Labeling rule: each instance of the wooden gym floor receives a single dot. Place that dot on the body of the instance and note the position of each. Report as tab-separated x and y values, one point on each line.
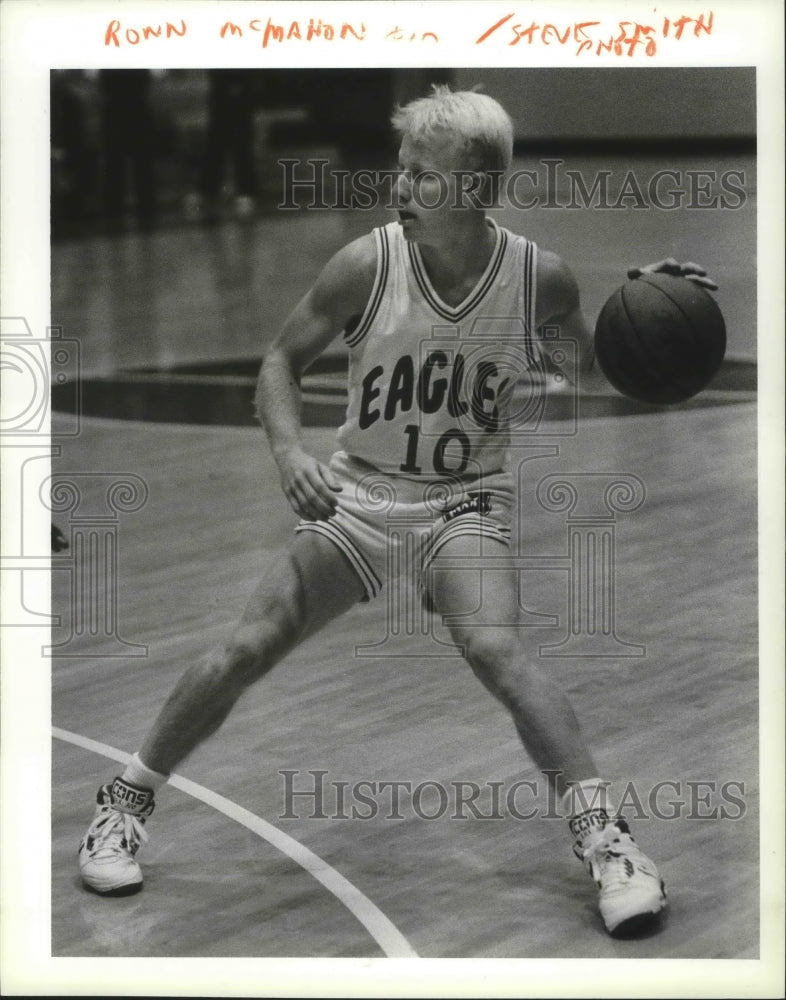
225	874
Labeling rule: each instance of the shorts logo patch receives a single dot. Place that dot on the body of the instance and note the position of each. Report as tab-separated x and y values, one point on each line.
478	502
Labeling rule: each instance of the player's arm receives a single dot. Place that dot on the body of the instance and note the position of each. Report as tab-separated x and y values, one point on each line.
338	296
558	305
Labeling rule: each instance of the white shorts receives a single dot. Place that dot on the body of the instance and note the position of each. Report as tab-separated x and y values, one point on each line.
387	526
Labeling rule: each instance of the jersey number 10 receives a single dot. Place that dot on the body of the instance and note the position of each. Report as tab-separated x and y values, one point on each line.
410	464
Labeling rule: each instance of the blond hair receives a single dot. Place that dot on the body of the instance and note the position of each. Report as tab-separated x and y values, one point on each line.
481	124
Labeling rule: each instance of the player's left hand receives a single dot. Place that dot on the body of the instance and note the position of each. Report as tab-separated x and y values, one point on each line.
693	272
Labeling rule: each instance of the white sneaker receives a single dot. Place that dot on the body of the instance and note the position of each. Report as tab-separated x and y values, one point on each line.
632	893
106	853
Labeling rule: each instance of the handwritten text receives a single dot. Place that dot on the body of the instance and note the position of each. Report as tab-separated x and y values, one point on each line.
623	38
590	36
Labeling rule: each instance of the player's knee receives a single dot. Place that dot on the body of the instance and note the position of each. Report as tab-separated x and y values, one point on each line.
493	654
498	662
250	652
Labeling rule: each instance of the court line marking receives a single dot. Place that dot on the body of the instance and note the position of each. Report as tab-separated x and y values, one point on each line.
385	933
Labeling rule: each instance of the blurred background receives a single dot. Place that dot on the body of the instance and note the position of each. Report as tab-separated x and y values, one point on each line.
163	146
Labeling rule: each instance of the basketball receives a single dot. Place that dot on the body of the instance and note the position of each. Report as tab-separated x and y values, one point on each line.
660	339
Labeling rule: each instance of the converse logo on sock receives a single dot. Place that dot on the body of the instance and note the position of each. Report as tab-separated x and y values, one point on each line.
586	822
130	799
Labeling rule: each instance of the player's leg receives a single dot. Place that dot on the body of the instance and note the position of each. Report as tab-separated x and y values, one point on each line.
541	712
307	585
631	890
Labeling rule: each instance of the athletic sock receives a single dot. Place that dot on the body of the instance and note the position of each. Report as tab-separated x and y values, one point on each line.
138	774
587	807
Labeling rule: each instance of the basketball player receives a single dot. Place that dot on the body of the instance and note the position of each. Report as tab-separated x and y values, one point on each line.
409	296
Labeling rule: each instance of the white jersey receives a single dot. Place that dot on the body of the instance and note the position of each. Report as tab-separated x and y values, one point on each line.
430	385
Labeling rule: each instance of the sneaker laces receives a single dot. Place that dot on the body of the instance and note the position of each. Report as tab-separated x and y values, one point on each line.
113	831
600	854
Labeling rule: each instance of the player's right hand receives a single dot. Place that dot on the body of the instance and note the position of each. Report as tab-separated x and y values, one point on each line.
309	486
